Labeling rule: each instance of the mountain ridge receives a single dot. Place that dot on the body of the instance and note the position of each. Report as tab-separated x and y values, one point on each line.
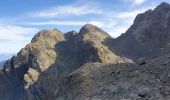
91	65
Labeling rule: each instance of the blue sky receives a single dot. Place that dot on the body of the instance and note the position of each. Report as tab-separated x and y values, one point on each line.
20	20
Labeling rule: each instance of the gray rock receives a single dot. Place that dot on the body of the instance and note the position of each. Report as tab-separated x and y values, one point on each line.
148	37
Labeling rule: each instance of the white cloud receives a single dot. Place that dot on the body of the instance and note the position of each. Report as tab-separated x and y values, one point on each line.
13	38
6	56
70	23
106	24
117	30
134	2
128	16
67	10
15	32
114	23
119	22
59	23
138	2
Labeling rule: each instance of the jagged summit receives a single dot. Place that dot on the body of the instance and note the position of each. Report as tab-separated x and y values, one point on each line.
47	34
89	28
94	33
164	6
149	36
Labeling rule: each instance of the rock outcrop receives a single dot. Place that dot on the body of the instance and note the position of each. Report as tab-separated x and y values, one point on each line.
24	69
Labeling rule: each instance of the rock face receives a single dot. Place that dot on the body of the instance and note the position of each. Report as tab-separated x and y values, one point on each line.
149	35
90	65
24	69
73	52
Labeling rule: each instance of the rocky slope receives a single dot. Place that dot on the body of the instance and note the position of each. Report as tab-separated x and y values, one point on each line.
97	81
149	35
90	65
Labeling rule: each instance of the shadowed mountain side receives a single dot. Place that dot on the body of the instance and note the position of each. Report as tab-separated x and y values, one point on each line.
4	87
105	81
118	82
148	36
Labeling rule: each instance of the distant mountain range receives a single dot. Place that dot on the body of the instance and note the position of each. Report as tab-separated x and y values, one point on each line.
5	56
91	65
2	64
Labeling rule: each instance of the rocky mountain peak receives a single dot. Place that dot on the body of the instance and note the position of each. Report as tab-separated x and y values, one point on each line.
46	35
159	14
33	59
150	31
92	33
153	25
163	7
89	28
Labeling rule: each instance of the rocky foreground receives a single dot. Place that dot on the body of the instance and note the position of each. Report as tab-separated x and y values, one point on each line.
91	65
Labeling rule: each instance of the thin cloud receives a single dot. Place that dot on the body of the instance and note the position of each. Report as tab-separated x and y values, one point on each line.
59	23
133	3
66	10
122	21
13	38
138	2
5	56
114	23
132	14
117	30
70	23
108	20
105	24
129	16
8	32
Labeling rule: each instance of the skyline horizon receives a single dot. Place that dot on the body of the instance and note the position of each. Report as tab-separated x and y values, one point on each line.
66	16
